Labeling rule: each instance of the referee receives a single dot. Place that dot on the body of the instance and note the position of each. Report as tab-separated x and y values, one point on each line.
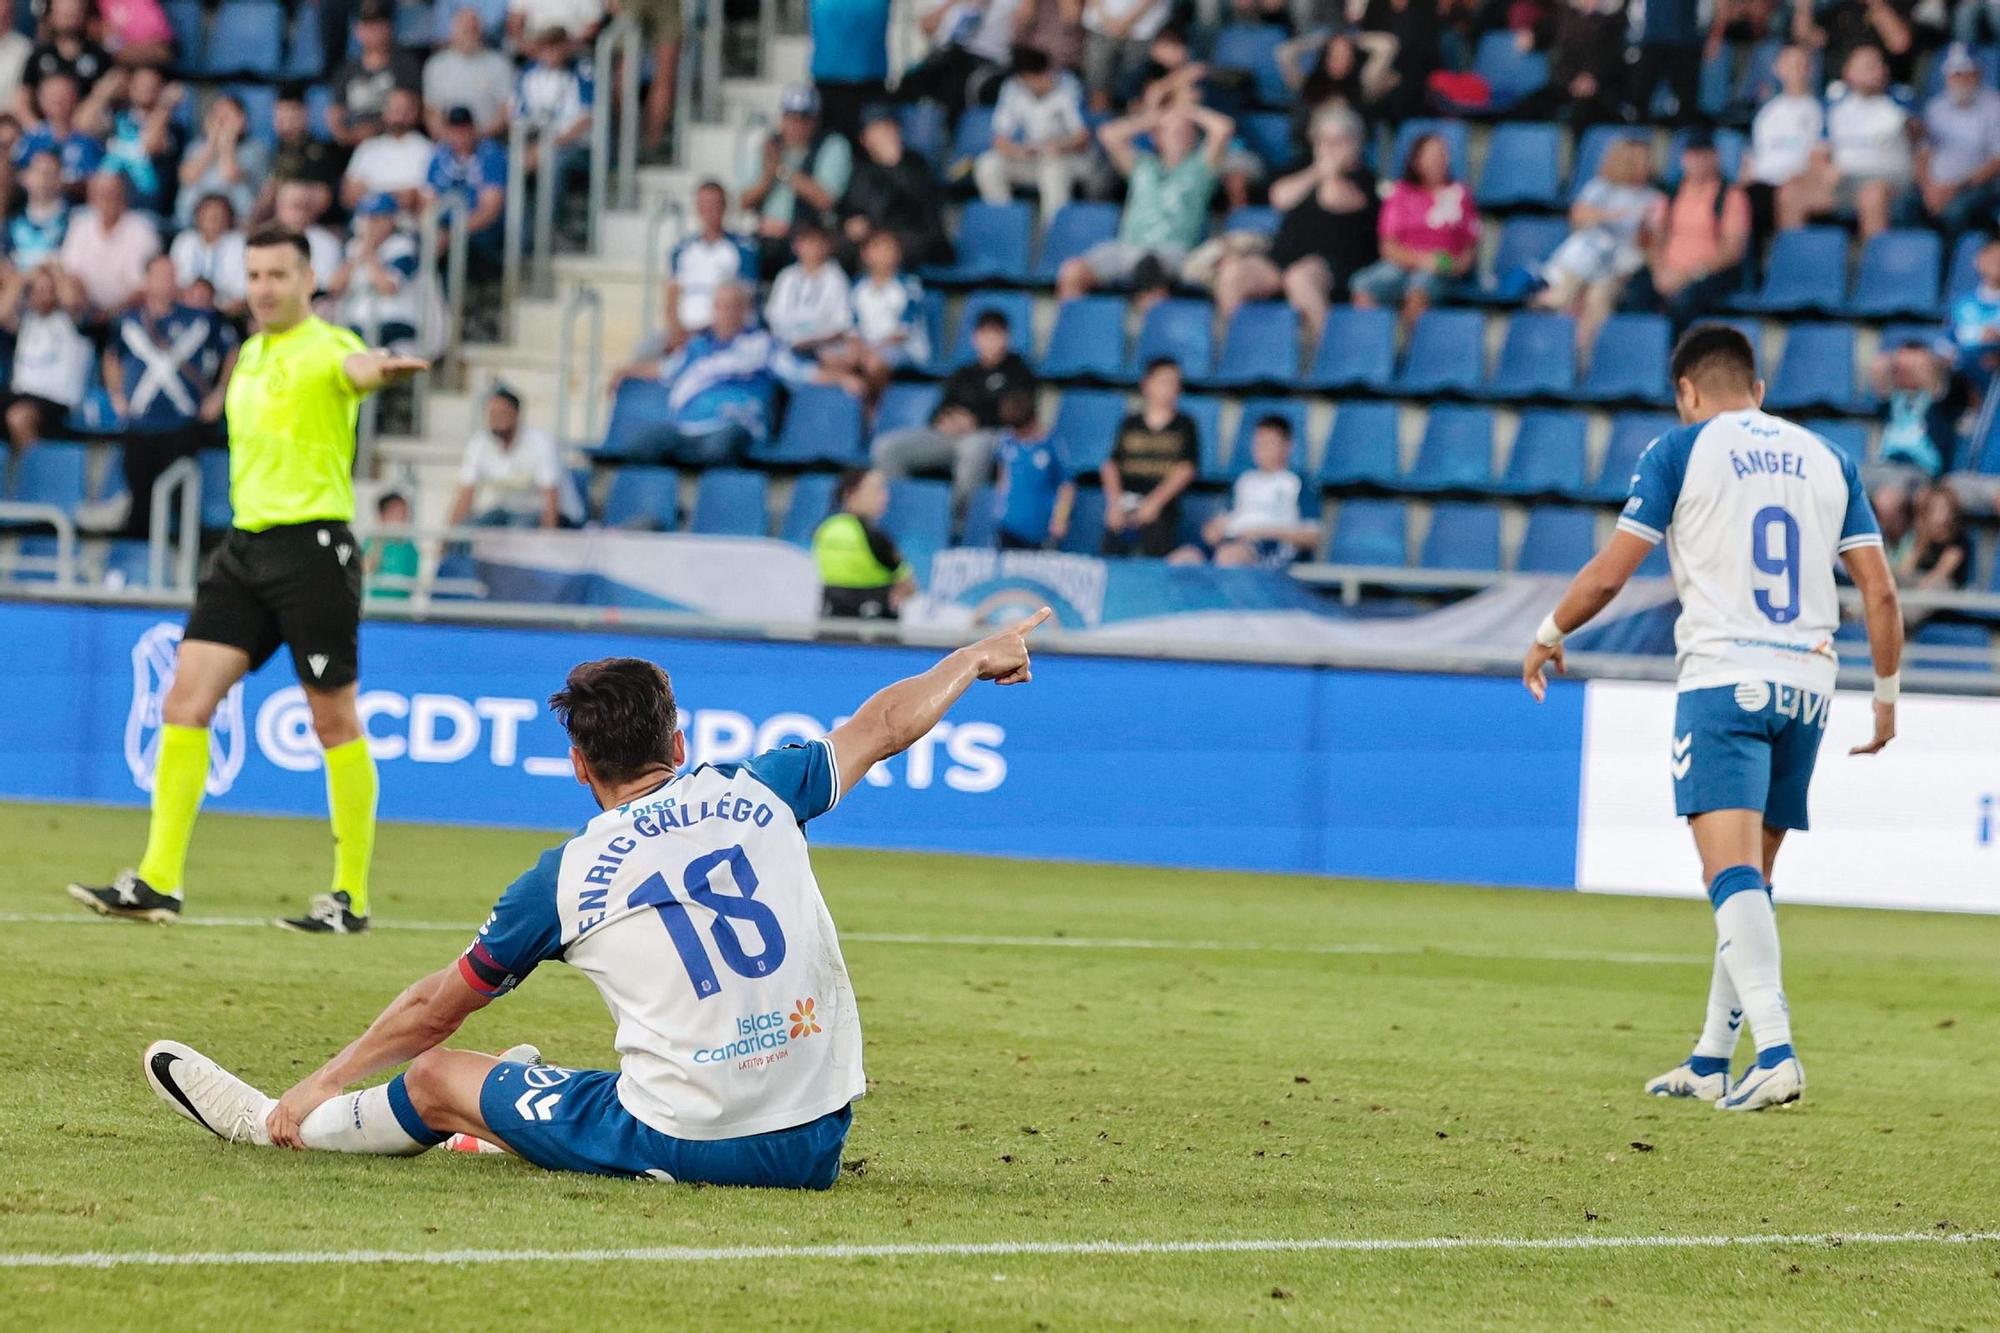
288	573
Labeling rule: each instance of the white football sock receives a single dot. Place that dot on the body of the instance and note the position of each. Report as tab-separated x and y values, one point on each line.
1725	1015
362	1122
1747	927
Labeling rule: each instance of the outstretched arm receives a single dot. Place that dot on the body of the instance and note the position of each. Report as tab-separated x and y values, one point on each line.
369	371
1589	592
1869	568
423	1016
899	716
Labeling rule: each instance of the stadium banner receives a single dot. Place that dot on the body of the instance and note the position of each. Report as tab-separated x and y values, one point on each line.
1912	827
1278	768
731	578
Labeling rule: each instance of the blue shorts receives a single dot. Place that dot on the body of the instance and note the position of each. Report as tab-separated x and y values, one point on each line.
1747	747
572	1120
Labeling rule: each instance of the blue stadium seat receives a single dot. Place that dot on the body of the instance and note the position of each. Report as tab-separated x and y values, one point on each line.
1537	358
1729	148
1253	49
730	502
1260	346
1268	134
1446	354
216	512
982	518
1018	307
1816	370
1362	449
51	474
1510	72
1176	328
1590	150
973	137
1462	536
1357	350
1197	508
905	404
1086	423
1371	532
644	497
822	425
305	56
1255	218
1958	640
1848	436
1629	362
413	24
319	100
1088	340
991	242
1807	271
811	502
919	515
260	107
1525	242
246	37
1457	451
925	131
128	564
1550	453
1206	413
1086	523
189	22
1241	458
1631	432
1559	540
1964	277
1523	167
1453	132
634	431
1898	275
1717	81
1074	229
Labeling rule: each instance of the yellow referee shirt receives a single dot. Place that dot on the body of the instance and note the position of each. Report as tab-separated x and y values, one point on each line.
291	427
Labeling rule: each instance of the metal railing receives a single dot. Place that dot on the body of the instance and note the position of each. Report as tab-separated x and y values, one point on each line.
169	564
650	262
63	563
454	210
621	51
546	182
584	299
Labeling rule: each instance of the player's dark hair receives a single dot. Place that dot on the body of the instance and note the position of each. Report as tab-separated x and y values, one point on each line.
619	711
1714	351
1277	423
277	233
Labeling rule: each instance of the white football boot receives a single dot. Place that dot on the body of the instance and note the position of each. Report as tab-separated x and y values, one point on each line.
206	1093
1681	1081
1760	1088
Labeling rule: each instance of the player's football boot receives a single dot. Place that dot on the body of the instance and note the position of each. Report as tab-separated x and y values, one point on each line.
129	897
328	915
1761	1088
206	1093
1681	1081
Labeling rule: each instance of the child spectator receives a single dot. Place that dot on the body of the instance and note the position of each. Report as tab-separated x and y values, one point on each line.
888	307
959	436
389	556
1153	460
1783	137
1429	233
809	302
1869	162
36	232
702	262
862	574
1039	136
1263	525
1035	488
51	356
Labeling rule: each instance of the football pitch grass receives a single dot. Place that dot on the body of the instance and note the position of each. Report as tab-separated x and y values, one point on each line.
1098	1096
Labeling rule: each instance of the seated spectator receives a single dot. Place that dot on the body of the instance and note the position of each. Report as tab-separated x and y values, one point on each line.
61	131
1783	137
137	33
720	384
959	438
1326	231
299	207
1922	401
166	370
512	475
577	20
892	190
225	160
41	307
1429	233
144	143
395	162
554	98
1839	28
474	170
1612	224
1153	460
889	332
298	155
64	47
971	41
1696	262
1036	486
1974	326
1039	137
1867	162
1116	34
1263	526
1166	198
702	262
795	175
364	81
1939	554
108	246
1959	161
211	251
35	233
1586	64
861	572
809	308
388	557
375	288
468	73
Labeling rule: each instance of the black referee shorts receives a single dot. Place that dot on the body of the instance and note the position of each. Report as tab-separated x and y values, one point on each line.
299	586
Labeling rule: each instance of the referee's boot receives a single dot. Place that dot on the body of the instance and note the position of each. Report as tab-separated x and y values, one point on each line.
129	897
328	915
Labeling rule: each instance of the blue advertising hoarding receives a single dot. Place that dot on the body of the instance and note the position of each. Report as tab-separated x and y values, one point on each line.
1109	759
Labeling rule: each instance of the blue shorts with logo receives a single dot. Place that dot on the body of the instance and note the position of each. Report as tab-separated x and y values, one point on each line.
1747	747
572	1120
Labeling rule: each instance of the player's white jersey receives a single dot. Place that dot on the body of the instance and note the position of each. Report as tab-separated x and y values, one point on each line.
695	911
1755	512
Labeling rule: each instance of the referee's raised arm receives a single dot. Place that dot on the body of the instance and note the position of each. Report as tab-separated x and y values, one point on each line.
372	370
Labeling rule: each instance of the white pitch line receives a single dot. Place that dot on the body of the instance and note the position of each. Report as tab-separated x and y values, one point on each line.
676	1254
1361	948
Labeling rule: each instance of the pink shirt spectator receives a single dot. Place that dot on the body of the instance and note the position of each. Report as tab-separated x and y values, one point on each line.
134	23
111	265
1430	221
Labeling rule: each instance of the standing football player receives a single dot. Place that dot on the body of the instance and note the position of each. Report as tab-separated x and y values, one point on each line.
1755	511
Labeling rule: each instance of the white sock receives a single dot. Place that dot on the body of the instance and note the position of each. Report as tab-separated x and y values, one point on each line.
1725	1015
1747	929
366	1122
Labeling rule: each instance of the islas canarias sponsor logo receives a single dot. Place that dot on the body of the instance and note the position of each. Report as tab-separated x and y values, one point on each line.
762	1036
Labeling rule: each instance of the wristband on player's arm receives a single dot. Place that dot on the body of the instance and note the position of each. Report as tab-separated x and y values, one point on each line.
1889	688
1546	634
